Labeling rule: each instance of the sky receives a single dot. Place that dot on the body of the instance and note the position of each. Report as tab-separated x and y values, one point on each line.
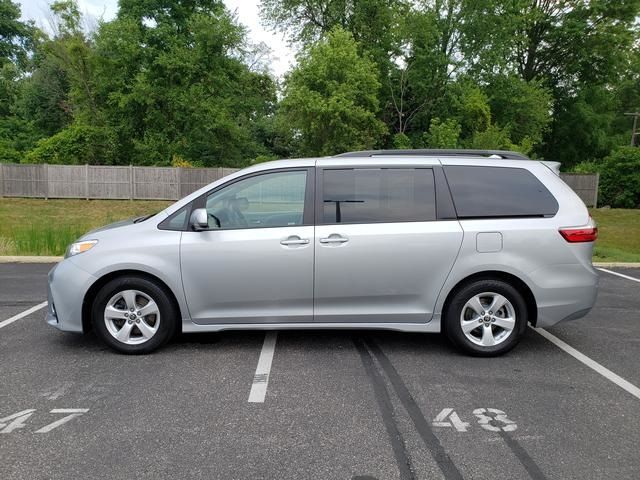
246	10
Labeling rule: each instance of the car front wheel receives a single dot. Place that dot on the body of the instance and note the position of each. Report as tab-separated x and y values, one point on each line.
133	315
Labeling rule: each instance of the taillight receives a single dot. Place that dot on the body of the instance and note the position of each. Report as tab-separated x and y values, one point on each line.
578	235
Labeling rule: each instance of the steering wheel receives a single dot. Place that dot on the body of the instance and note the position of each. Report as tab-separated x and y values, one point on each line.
215	219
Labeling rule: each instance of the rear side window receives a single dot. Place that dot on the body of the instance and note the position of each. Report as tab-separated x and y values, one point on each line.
365	195
482	192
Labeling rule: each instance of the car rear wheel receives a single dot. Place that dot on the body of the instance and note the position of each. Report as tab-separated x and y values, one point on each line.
486	318
133	315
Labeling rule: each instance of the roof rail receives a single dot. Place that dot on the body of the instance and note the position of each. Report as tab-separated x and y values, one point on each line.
434	152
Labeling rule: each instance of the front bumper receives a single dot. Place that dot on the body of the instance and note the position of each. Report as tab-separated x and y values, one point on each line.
67	287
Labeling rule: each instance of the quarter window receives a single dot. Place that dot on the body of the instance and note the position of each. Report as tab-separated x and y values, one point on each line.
377	195
177	221
268	200
484	192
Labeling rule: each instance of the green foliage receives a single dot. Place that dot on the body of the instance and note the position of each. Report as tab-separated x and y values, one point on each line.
582	127
179	86
442	134
587	166
620	178
178	162
76	145
401	141
331	97
470	107
372	23
33	226
524	108
44	99
493	138
179	79
15	36
8	153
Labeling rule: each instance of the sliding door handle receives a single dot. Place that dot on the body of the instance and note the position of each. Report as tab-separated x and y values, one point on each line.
334	238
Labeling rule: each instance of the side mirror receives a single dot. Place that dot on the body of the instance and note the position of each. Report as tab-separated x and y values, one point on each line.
199	219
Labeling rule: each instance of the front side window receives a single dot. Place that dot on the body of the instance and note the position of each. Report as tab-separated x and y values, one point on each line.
268	200
378	195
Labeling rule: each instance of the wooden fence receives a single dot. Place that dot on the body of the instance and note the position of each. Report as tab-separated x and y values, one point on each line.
154	183
585	185
104	182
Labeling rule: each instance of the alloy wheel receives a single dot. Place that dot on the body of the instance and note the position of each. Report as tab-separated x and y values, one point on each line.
132	317
488	319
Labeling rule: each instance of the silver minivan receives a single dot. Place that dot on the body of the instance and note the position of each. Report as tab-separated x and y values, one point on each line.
475	244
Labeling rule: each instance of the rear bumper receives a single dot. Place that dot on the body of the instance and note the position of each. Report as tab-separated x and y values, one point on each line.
67	287
564	292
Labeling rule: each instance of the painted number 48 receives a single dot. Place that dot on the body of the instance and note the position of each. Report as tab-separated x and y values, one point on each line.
490	419
19	419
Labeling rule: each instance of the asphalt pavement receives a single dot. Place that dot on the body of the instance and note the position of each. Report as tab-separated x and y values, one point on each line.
337	404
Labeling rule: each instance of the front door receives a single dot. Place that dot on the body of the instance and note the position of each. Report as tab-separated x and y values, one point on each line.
255	263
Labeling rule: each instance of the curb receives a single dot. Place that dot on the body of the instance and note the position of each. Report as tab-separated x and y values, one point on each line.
44	259
617	264
29	259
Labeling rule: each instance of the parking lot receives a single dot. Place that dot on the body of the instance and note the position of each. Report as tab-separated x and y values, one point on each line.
319	404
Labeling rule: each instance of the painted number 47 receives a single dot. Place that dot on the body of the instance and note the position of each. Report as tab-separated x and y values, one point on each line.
19	419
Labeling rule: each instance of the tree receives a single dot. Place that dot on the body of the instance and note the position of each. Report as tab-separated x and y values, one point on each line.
173	81
372	23
442	134
581	128
44	98
15	36
330	98
564	41
521	107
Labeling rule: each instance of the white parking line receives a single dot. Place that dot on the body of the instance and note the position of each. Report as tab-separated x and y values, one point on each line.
8	321
605	372
620	275
261	377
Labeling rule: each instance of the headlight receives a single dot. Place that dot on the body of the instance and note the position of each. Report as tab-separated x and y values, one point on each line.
80	247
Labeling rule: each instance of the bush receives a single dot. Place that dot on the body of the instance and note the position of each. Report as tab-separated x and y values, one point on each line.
442	134
586	166
401	142
620	178
76	145
181	162
8	154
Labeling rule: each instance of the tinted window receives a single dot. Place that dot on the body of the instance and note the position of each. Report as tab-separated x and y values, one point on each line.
498	192
378	195
268	200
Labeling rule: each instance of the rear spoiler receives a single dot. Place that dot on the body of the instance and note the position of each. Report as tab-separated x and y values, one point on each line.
553	166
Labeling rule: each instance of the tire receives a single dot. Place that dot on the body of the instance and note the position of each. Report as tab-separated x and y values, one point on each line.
472	325
134	315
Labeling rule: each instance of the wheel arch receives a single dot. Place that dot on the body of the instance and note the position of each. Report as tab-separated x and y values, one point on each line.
87	301
518	283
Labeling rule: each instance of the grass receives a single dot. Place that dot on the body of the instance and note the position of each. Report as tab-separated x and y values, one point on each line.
30	226
618	235
45	227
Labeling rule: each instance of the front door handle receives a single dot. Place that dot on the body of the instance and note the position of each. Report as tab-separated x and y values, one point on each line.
334	238
294	240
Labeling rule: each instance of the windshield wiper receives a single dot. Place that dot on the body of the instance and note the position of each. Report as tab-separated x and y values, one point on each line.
143	218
